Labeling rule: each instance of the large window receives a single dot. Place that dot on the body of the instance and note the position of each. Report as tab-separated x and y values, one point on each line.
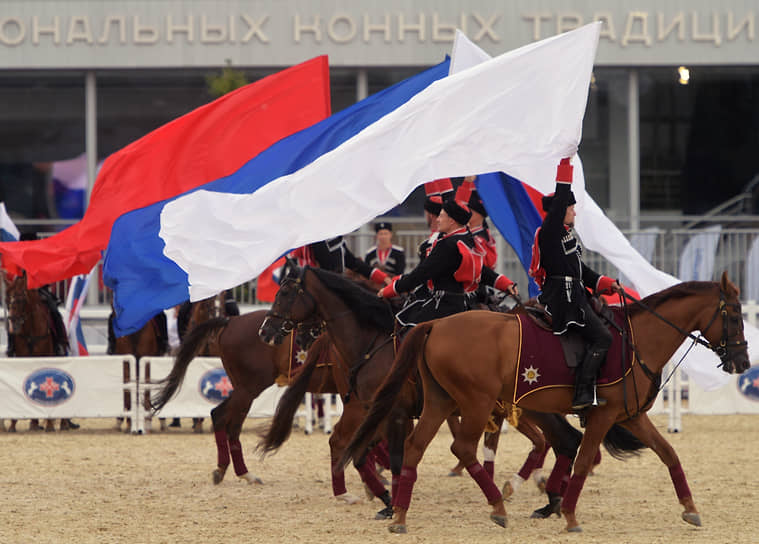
41	121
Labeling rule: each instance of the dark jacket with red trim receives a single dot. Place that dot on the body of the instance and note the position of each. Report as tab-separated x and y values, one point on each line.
437	270
566	276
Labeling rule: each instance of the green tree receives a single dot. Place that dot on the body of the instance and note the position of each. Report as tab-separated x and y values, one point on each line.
229	80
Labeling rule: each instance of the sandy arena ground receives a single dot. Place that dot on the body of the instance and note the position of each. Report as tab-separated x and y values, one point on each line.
98	485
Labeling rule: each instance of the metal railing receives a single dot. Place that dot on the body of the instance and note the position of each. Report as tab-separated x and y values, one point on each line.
732	254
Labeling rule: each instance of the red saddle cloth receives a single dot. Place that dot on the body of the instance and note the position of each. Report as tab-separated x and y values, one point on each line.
542	363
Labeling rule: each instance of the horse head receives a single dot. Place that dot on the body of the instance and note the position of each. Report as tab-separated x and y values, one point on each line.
725	334
17	302
292	305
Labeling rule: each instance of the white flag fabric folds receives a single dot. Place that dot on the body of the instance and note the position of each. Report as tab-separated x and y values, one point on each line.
600	234
519	112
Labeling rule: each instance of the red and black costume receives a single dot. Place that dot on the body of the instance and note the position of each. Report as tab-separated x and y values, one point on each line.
563	277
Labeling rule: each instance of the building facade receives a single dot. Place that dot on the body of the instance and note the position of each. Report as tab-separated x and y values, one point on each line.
671	127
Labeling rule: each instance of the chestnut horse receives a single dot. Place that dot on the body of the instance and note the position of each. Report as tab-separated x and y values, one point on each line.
470	361
251	366
31	324
361	326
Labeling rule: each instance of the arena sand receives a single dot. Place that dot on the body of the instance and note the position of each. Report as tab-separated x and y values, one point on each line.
101	486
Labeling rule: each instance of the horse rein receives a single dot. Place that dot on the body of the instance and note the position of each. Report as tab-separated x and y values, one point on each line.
721	350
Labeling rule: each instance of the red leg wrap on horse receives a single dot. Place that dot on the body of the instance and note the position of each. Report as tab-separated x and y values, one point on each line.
381	455
338	483
529	464
222	448
569	501
394	488
560	470
485	481
542	458
489	468
405	487
235	449
369	477
681	484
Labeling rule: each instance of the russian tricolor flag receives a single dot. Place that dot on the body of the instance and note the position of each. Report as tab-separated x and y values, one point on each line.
519	112
74	301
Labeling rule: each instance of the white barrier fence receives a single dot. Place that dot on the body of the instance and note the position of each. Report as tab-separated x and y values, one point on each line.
118	386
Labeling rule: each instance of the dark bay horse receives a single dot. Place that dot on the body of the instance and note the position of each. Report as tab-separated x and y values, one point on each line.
470	360
251	366
362	328
30	328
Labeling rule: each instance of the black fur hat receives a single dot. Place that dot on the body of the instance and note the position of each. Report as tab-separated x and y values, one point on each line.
457	211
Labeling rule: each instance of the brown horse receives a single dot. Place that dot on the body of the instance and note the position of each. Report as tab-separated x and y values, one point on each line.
471	360
251	366
30	328
361	327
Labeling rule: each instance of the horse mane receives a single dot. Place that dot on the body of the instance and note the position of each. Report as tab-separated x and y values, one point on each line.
677	291
369	309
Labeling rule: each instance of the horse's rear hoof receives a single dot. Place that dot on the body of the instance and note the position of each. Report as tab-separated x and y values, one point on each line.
453	473
574	529
694	518
547	510
385	513
218	475
498	519
347	498
397	529
507	491
248	477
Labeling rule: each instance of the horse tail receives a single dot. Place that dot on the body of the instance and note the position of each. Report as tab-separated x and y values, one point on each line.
621	443
385	397
282	423
187	352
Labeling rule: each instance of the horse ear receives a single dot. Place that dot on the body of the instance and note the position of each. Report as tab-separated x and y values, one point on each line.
726	285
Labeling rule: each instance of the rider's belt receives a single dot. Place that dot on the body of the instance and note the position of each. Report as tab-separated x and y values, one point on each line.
566	279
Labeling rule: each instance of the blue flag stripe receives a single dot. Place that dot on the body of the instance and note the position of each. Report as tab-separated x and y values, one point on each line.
145	281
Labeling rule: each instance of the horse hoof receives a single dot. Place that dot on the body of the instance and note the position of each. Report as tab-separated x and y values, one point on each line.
694	518
218	476
454	473
397	529
386	513
574	529
507	491
498	519
248	477
347	498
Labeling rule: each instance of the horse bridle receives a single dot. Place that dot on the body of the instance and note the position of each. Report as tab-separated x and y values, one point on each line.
288	324
722	349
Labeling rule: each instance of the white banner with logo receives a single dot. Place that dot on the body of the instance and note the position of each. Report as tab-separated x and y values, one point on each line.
204	386
62	387
739	396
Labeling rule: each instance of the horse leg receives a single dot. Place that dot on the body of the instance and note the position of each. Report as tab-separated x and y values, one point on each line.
219	423
414	448
598	424
238	410
465	448
454	424
490	443
539	448
12	426
49	426
647	433
338	440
